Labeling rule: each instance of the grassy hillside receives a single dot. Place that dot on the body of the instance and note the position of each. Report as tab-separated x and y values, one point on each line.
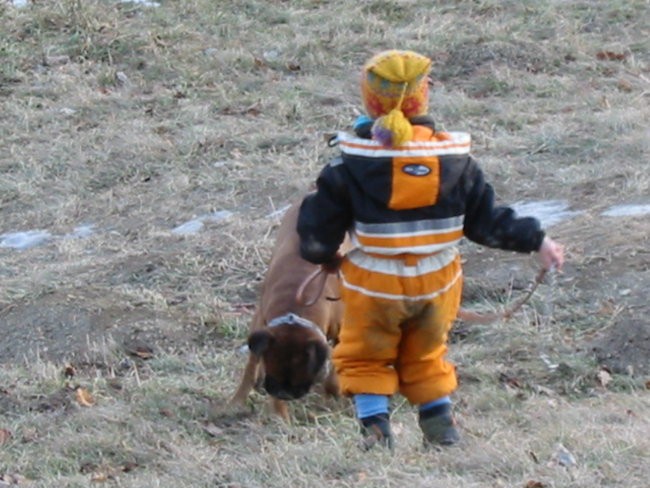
146	153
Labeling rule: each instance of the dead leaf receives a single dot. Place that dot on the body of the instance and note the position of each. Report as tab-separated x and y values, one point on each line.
5	436
610	56
83	397
212	429
511	381
291	66
253	109
99	477
604	378
533	456
543	390
69	371
12	479
165	412
29	435
535	484
647	385
159	41
141	351
56	60
129	466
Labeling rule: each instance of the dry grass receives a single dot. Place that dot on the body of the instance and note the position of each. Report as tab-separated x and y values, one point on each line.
137	119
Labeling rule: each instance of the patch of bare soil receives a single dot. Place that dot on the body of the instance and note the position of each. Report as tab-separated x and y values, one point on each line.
625	348
600	299
81	325
471	57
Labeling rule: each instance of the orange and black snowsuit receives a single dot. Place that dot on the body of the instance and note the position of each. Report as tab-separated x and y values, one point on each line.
406	209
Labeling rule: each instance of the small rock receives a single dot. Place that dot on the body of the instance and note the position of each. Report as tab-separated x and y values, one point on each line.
563	457
56	60
122	79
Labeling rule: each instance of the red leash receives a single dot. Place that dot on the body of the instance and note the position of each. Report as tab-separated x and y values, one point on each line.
320	286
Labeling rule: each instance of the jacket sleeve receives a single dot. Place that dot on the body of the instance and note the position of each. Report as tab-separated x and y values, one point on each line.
496	226
325	216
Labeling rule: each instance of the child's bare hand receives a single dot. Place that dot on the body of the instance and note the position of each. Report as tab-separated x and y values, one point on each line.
551	254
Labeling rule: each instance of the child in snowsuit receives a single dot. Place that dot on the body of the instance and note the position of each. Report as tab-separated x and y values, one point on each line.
407	194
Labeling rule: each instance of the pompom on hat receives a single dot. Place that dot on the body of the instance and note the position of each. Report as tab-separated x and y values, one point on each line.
394	88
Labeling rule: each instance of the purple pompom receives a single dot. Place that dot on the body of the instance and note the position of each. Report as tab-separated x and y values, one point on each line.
381	134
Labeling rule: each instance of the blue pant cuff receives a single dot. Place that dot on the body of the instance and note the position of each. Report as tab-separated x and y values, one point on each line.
445	400
367	405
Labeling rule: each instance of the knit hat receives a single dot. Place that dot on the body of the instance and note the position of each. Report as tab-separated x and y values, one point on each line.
394	88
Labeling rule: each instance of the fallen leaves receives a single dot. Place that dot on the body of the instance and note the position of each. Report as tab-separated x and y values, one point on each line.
293	66
69	371
102	474
604	377
534	484
611	56
625	86
83	397
141	351
212	430
5	436
510	381
7	479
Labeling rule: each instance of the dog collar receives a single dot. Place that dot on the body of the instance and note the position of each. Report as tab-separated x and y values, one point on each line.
293	319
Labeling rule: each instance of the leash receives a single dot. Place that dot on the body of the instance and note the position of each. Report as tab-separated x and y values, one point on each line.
466	315
321	274
486	318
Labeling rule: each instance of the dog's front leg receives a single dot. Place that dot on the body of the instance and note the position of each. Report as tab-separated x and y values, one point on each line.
247	382
281	408
331	384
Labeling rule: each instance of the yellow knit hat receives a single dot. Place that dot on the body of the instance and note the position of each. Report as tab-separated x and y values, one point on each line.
394	88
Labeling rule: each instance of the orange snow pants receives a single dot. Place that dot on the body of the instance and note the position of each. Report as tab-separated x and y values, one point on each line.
394	330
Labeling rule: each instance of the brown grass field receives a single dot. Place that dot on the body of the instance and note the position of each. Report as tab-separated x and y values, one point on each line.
120	122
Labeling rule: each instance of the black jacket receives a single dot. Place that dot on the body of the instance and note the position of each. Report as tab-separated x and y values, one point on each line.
357	190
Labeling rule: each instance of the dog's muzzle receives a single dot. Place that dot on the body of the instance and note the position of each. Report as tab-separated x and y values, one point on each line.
275	389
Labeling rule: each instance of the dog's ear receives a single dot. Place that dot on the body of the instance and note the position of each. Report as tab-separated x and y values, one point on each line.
259	341
316	355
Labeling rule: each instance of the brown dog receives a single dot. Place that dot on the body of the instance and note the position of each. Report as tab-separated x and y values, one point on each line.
288	342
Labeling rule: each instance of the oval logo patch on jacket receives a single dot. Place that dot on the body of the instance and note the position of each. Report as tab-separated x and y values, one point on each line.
416	169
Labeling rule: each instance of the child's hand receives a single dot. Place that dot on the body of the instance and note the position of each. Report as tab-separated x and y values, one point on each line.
551	254
333	265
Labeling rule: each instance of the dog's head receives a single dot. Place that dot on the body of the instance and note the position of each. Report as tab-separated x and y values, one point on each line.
294	358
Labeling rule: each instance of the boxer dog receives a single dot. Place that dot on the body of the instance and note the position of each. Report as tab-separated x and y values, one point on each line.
289	343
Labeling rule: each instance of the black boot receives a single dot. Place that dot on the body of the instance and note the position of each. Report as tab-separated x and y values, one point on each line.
438	426
376	430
